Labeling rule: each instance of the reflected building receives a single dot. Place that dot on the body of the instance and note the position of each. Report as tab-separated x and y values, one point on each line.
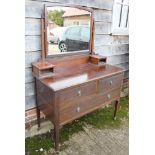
74	16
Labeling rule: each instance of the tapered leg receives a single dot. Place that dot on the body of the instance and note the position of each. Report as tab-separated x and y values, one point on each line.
56	137
38	117
38	110
115	108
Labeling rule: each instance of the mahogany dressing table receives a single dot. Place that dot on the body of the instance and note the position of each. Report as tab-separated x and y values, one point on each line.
68	87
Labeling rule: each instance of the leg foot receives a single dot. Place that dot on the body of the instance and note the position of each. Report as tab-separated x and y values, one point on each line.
114	118
56	138
38	118
38	128
115	109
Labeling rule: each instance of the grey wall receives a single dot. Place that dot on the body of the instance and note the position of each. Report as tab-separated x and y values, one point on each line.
116	48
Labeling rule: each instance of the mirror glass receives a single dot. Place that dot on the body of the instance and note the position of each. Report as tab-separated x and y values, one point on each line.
68	30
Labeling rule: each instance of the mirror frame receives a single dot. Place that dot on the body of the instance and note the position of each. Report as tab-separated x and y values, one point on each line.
44	42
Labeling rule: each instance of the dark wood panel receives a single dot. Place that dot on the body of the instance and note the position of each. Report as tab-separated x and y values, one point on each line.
45	100
45	92
78	109
77	93
110	83
76	87
46	107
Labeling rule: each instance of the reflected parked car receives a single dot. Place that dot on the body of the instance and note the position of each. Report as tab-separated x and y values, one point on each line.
53	35
71	38
75	38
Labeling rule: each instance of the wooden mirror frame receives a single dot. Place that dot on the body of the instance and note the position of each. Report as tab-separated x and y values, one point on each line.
44	43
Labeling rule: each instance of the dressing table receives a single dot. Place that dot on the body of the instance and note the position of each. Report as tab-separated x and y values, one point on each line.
73	83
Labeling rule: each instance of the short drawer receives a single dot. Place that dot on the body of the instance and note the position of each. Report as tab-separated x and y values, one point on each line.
76	109
110	83
77	92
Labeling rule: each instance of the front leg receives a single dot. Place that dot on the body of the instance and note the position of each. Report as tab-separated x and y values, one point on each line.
38	117
56	137
37	106
116	104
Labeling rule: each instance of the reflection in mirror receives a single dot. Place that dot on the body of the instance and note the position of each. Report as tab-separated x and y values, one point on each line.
68	29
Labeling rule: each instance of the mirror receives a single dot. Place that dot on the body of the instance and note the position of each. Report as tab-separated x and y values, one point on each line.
68	30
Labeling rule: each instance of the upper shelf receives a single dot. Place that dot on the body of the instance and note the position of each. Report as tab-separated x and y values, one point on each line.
50	68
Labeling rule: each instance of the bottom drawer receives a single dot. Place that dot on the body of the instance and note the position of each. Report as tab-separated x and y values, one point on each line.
88	104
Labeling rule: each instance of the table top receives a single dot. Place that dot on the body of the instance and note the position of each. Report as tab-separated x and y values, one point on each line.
74	75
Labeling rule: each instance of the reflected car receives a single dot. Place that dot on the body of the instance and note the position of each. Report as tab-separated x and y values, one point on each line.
53	35
74	38
71	38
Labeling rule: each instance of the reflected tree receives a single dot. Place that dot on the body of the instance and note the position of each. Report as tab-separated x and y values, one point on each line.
56	17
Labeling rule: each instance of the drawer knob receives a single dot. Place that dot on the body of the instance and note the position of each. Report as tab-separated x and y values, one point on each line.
109	96
78	109
110	82
79	93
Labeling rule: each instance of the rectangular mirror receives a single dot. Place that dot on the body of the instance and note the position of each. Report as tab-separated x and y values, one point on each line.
68	30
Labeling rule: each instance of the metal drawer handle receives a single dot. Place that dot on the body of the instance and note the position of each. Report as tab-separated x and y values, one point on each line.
79	93
78	109
110	82
109	96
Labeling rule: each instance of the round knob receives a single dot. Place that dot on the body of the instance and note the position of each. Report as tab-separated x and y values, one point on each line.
78	109
109	96
79	93
110	82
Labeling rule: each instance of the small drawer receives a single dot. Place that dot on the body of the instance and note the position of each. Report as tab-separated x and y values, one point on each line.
77	108
110	83
77	92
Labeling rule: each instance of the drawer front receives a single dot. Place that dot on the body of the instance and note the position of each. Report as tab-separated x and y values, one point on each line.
77	92
110	83
76	109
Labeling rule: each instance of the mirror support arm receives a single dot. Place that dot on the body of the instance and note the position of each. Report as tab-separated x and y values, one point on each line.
42	39
92	37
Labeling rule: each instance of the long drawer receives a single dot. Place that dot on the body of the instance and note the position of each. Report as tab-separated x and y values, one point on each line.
77	92
75	109
110	83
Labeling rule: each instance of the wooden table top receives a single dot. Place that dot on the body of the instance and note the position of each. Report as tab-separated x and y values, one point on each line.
74	75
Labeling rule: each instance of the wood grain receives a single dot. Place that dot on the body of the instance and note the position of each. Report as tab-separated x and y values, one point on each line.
77	87
87	105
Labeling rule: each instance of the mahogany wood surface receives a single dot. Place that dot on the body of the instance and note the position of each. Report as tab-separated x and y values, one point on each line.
76	88
73	84
73	76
